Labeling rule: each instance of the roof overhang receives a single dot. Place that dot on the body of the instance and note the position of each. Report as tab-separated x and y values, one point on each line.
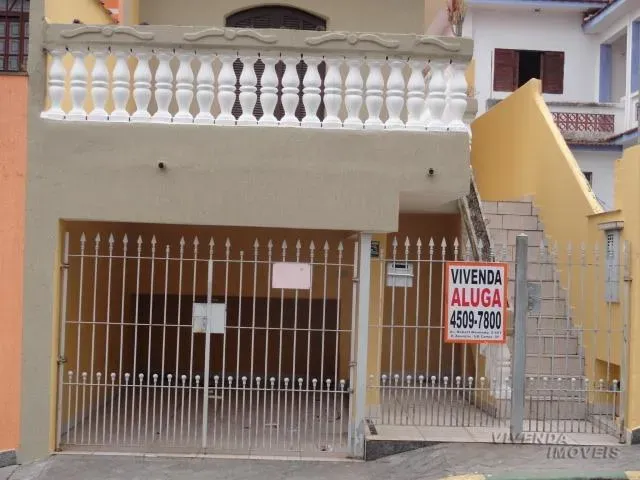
546	5
609	15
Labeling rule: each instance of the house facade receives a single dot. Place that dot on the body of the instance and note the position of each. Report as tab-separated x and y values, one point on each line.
198	156
586	56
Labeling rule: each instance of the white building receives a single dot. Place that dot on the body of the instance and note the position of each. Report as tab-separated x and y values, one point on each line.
587	56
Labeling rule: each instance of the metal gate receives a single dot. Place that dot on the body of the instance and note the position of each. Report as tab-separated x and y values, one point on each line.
239	347
560	375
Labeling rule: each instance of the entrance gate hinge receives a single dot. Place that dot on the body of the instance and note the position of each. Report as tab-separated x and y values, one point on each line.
61	359
353	364
356	279
64	266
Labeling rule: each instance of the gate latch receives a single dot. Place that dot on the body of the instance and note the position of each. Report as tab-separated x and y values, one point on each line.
61	359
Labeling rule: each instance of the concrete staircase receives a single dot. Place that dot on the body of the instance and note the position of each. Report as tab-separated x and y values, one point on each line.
554	354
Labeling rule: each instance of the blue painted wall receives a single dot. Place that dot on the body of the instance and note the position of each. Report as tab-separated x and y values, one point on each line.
605	72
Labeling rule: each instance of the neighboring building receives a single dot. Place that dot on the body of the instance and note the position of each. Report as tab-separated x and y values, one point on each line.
14	39
587	55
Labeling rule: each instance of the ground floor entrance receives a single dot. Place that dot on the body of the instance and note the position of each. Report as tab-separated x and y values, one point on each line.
260	342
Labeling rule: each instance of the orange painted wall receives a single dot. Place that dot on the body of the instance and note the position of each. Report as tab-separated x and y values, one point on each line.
13	155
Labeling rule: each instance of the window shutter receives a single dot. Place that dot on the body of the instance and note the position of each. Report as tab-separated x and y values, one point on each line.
505	66
553	72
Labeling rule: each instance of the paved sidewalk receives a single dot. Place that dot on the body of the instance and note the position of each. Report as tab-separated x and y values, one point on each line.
430	463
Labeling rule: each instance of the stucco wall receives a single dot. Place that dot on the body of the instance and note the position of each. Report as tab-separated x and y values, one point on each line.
518	151
340	15
601	164
13	154
64	11
526	30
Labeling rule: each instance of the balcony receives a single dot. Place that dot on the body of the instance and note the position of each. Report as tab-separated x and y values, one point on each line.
324	109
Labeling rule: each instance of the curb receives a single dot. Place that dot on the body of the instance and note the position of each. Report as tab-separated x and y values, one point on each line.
569	475
7	458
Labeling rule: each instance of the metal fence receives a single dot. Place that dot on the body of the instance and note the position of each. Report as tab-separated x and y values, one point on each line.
564	376
139	372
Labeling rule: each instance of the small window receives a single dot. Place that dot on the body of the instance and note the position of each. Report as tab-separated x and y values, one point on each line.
14	35
589	177
514	68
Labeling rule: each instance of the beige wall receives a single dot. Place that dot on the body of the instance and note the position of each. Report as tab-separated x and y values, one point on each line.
353	15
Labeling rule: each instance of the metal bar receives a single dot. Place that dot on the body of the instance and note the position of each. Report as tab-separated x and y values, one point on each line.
106	354
519	341
626	312
164	343
62	340
178	331
193	300
364	284
207	355
352	335
125	242
146	421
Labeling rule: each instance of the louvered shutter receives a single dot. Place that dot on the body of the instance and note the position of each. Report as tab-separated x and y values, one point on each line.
505	70
276	17
553	72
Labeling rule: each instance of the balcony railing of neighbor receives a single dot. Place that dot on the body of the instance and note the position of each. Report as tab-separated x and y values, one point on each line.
224	76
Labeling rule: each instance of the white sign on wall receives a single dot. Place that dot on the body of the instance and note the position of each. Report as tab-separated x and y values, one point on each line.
291	276
475	302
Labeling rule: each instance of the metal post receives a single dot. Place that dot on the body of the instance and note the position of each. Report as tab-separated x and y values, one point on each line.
364	284
62	340
207	355
519	337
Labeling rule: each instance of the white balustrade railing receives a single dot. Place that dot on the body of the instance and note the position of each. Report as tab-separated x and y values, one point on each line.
256	88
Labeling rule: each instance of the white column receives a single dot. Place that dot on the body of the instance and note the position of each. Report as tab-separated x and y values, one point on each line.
364	285
395	94
425	117
78	86
120	87
164	87
248	89
269	90
205	89
374	94
184	88
436	100
226	90
311	92
353	94
290	92
415	96
457	101
57	75
99	85
332	93
142	87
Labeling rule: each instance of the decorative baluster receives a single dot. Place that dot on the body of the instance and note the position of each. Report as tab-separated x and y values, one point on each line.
426	115
290	92
353	94
142	87
311	91
395	94
78	86
268	90
57	75
164	87
184	88
120	87
248	95
205	89
226	90
436	100
375	87
99	85
457	98
447	78
333	92
415	96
